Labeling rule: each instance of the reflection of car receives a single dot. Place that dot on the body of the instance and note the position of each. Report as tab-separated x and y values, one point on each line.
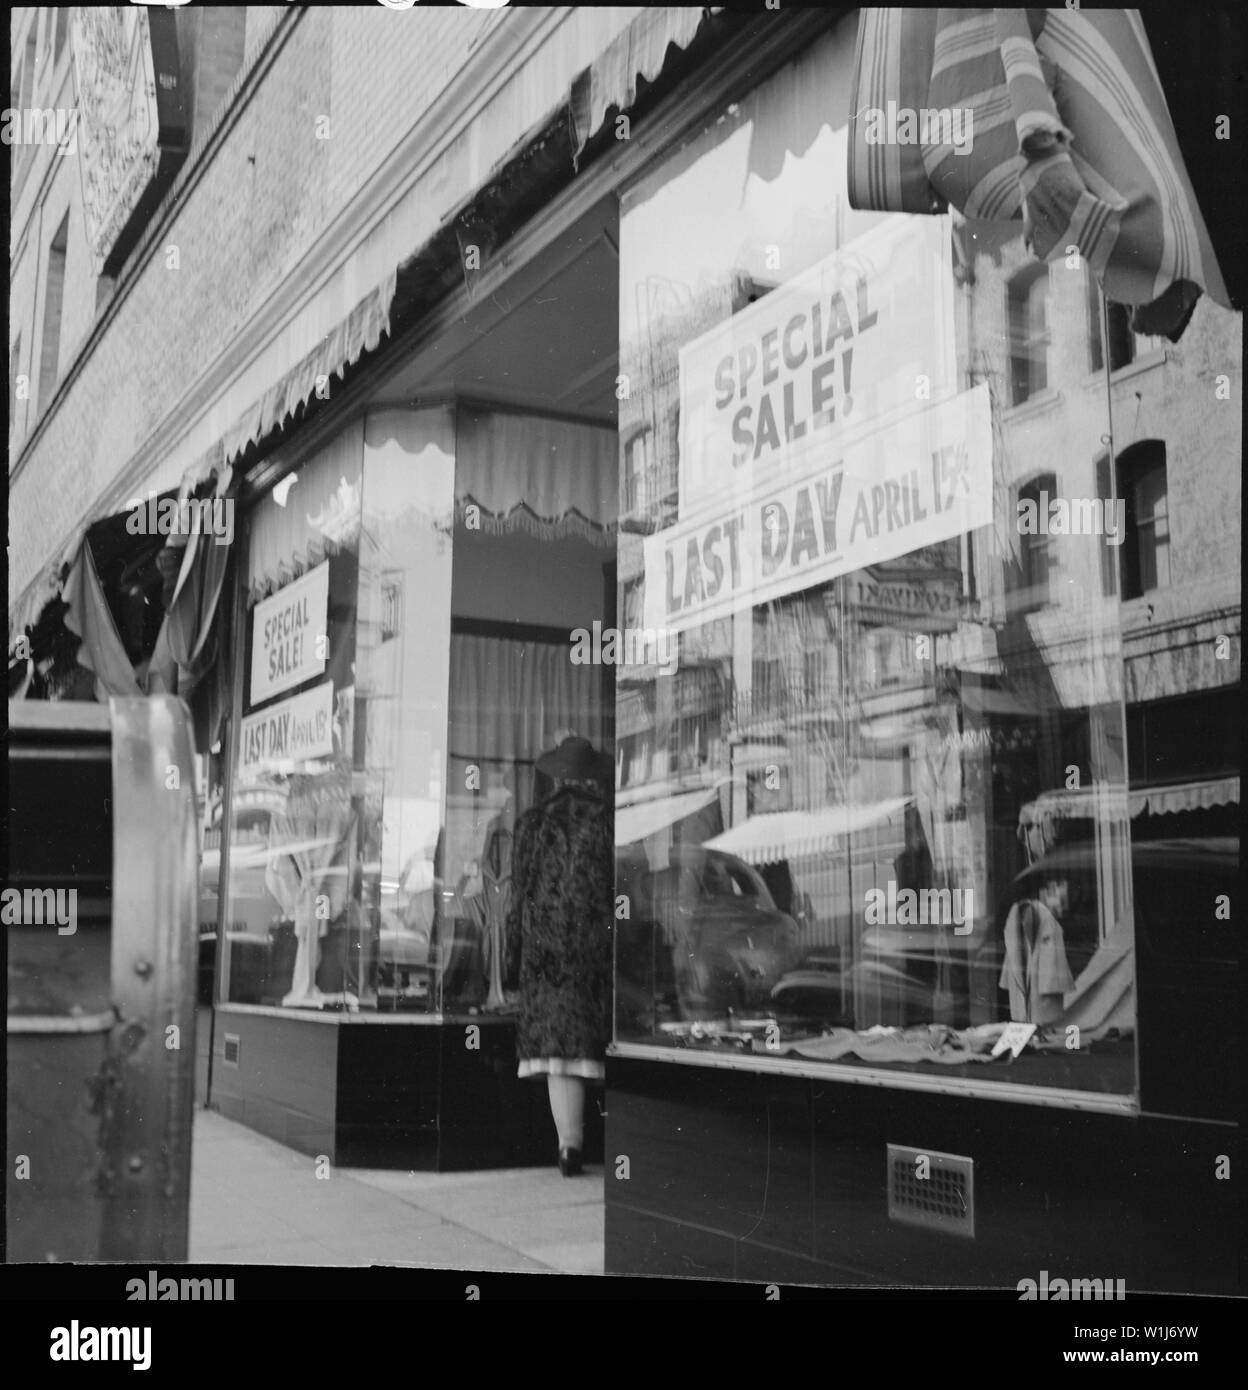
403	965
821	991
253	910
729	942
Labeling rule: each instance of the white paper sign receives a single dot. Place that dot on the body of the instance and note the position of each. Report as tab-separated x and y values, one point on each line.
1014	1037
285	650
924	479
842	349
290	731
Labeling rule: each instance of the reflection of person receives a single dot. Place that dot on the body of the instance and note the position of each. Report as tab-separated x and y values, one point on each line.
558	937
1035	970
913	866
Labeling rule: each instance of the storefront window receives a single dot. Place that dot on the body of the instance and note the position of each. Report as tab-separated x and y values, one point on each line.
414	597
295	935
401	694
873	813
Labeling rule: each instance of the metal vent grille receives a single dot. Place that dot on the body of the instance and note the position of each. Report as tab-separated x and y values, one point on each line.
943	1200
229	1049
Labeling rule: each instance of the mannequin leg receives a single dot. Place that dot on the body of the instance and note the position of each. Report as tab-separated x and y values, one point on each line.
567	1106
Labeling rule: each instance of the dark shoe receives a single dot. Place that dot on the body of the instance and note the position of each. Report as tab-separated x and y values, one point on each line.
570	1162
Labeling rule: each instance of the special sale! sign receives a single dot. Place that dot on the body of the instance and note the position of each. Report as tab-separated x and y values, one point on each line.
921	480
288	635
846	347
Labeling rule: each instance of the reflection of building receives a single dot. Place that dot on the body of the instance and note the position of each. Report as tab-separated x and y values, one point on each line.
1175	483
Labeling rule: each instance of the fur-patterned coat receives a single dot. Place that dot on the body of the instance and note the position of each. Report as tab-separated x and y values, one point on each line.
559	926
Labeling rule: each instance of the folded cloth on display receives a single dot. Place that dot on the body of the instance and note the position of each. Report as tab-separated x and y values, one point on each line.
934	1043
1103	999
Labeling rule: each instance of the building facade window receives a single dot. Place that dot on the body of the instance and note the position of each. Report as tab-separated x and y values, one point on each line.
1125	345
638	483
1028	302
1037	554
53	307
1146	547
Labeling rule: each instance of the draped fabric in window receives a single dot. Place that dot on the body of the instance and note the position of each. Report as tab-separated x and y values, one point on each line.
552	478
510	698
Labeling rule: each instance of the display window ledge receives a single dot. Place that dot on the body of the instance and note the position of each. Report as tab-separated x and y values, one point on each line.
1053	1097
343	1017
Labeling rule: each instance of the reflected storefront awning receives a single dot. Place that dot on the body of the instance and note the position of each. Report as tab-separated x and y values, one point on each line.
1185	796
778	835
1115	802
636	823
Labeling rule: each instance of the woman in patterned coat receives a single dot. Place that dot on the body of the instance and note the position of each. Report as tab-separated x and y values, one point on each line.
559	935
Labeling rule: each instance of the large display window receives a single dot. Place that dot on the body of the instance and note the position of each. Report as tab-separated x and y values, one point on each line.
872	810
412	591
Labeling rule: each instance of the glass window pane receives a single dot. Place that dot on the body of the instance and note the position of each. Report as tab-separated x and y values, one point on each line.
401	692
294	934
878	811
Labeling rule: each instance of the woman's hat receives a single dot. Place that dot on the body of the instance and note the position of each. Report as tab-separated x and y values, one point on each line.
575	760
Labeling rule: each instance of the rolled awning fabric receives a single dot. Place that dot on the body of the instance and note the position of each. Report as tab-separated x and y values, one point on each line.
102	651
1055	117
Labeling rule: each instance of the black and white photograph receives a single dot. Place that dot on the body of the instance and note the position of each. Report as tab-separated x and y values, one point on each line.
624	665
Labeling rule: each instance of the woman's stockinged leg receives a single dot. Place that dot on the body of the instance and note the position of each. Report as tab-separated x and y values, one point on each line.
567	1106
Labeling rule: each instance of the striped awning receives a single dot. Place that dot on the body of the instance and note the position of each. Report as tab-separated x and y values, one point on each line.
1114	802
640	51
1052	116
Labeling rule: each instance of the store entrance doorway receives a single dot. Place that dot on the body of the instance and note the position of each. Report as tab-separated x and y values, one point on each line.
530	374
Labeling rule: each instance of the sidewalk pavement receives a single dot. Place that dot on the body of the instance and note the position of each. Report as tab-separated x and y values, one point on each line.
255	1201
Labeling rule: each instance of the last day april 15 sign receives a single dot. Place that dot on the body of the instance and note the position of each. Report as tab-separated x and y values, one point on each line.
286	628
922	480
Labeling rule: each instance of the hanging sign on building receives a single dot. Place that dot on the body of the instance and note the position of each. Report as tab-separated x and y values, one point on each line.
863	337
289	635
921	480
288	732
917	602
132	123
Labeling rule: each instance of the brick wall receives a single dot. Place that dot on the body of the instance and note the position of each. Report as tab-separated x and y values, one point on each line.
267	194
